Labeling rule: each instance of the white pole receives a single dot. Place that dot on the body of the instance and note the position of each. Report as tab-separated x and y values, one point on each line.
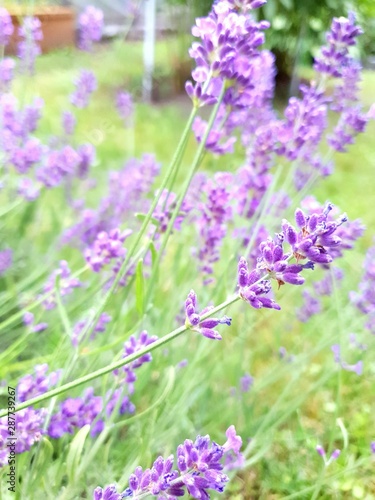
149	47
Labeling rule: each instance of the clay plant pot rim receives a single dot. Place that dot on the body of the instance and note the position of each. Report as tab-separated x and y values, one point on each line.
42	13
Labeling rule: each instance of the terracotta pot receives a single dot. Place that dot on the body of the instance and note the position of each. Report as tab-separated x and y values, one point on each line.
58	26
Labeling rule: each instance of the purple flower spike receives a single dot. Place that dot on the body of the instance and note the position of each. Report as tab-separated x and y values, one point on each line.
335	55
320	450
107	248
29	425
335	454
6	26
31	386
28	49
200	464
90	27
205	326
85	85
252	287
6	260
108	493
372	447
67	284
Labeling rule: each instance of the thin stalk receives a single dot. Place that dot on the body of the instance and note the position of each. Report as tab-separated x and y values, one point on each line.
196	161
117	364
174	165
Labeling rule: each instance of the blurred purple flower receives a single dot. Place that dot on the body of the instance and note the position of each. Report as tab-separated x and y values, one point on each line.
85	85
6	26
203	326
90	25
30	33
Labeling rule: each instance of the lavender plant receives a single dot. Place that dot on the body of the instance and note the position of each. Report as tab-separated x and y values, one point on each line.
132	247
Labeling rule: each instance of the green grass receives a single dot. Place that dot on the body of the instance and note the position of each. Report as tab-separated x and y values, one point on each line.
291	407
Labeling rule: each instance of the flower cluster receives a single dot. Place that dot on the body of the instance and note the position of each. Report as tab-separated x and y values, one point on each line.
79	328
315	239
334	455
107	248
200	469
364	297
7	66
29	425
75	413
164	210
213	213
335	55
125	106
127	191
131	346
356	367
67	283
6	26
315	236
228	42
203	326
31	386
6	260
85	85
28	48
90	23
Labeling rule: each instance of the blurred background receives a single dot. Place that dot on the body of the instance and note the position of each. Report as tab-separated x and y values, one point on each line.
296	32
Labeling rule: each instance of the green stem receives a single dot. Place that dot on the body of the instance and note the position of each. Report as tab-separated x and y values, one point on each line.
196	161
117	364
174	165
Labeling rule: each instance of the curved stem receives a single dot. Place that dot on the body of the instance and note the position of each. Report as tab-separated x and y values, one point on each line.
117	364
196	162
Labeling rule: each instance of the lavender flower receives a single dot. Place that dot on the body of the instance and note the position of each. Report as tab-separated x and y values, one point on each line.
356	368
125	106
100	327
28	320
75	413
335	55
107	247
68	122
214	212
67	283
6	260
90	22
246	382
164	210
85	85
334	455
28	189
31	386
200	466
29	425
364	297
372	447
131	346
7	66
6	26
203	326
108	493
228	42
127	192
310	307
28	48
351	122
252	287
315	237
